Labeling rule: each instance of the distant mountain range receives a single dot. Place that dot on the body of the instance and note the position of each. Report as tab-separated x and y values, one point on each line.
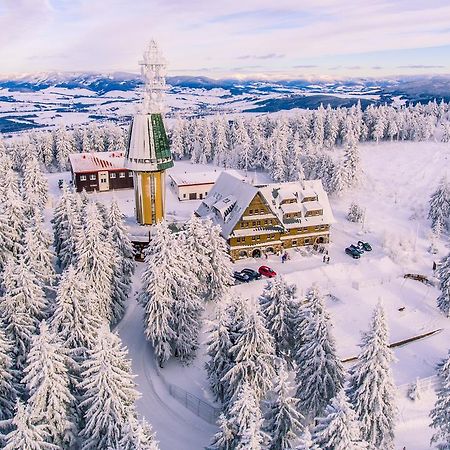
48	98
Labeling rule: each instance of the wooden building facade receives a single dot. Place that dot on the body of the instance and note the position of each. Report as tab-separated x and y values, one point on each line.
268	218
101	171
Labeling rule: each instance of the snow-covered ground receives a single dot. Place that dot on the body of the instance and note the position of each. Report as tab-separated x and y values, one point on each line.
398	179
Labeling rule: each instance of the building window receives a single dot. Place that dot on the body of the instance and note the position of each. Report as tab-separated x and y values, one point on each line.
294	243
82	177
112	175
306	241
93	177
122	175
250	211
253	238
253	223
184	195
130	174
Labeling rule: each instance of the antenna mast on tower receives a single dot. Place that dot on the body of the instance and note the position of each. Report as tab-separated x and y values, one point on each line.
153	70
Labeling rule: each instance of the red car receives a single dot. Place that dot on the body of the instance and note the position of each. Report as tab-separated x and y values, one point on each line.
267	272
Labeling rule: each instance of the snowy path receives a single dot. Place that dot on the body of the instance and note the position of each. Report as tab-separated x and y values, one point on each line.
176	427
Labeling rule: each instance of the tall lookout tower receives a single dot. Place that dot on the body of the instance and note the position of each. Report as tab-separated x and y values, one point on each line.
148	153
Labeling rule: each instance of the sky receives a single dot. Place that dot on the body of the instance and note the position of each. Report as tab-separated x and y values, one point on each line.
229	38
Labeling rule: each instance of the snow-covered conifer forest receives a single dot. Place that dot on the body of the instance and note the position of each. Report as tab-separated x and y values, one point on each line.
98	351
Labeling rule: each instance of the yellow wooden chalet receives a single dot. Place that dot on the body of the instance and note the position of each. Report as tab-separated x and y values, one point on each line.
267	218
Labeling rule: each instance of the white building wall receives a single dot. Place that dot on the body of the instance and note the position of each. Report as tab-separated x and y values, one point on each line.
192	192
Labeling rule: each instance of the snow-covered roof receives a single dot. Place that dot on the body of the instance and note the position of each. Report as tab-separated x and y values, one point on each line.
308	188
229	187
194	178
312	206
229	190
307	193
93	162
291	207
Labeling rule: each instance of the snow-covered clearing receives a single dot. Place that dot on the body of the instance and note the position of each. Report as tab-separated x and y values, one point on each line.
398	180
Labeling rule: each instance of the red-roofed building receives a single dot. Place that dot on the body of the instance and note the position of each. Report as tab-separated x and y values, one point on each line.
101	171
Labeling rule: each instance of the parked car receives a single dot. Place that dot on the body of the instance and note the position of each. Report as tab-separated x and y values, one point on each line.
352	252
365	245
253	274
357	249
267	272
242	277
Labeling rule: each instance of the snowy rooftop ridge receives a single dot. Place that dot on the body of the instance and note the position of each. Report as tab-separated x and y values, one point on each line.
193	178
93	162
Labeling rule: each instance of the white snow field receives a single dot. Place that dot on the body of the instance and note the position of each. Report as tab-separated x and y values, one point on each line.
397	182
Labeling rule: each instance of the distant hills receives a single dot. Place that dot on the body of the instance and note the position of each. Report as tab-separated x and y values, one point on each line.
44	99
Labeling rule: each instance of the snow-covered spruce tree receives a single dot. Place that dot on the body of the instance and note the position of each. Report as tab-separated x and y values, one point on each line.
218	345
7	236
338	428
70	234
219	278
23	306
443	275
225	437
47	384
109	393
64	145
355	213
246	419
440	205
440	414
121	242
305	441
283	421
208	258
165	278
319	372
26	435
186	309
96	259
352	163
194	240
35	184
74	318
176	139
137	436
371	387
8	392
37	254
60	216
253	356
14	208
279	307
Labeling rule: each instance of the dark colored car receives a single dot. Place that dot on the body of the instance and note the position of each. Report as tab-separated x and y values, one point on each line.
242	277
357	249
253	274
267	272
365	245
353	253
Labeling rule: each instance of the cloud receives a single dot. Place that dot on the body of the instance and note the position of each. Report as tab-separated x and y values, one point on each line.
329	35
421	66
266	56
